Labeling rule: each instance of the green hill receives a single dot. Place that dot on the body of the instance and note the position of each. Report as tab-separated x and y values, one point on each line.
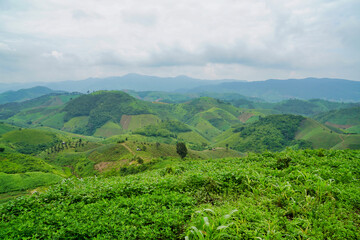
29	141
4	128
19	172
34	112
274	133
343	118
25	94
102	107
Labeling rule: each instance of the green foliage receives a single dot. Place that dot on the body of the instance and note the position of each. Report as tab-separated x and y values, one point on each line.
181	149
315	196
210	226
24	181
30	141
102	107
349	116
274	133
21	163
165	129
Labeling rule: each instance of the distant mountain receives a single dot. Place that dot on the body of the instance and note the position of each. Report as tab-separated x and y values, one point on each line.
277	90
269	90
131	81
25	94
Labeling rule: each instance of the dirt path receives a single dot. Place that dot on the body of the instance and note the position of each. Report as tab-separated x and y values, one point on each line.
128	148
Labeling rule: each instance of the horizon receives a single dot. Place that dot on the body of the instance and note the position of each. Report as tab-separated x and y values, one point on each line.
57	41
172	77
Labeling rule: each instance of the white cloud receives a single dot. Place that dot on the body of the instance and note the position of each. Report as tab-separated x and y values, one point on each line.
55	54
247	39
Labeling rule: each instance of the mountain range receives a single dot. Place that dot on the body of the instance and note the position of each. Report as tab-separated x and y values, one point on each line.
269	90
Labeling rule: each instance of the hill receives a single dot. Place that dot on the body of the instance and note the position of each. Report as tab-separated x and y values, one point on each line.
277	90
131	81
25	94
19	172
310	194
44	109
273	133
269	90
309	107
343	118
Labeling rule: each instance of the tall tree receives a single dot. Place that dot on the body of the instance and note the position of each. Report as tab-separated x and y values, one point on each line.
181	149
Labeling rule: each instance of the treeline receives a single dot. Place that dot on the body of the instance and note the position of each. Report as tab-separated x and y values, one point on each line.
102	107
168	128
273	133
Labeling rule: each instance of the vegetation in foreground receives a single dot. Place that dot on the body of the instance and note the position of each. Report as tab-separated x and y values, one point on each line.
306	194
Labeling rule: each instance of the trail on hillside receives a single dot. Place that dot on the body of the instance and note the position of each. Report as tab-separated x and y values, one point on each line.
128	148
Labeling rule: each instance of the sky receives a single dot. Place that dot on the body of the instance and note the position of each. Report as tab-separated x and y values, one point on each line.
57	40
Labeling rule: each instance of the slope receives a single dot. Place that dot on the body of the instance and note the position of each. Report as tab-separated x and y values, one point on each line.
25	94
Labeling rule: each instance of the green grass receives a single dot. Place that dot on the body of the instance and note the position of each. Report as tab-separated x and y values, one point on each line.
29	141
142	120
29	136
21	163
108	153
354	129
4	128
76	124
24	181
348	116
318	134
310	194
350	142
108	129
55	121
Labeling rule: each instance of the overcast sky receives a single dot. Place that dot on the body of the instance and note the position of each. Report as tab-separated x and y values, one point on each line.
53	40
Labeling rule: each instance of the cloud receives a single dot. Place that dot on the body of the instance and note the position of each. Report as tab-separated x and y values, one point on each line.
250	39
55	54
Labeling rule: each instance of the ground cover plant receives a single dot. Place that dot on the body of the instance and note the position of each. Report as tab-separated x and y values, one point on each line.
305	194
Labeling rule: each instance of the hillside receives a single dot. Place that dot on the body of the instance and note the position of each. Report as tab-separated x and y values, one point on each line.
311	194
25	94
44	109
310	107
270	90
273	133
342	118
277	90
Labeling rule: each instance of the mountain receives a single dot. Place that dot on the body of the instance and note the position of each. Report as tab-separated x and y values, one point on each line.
25	94
277	90
131	81
270	90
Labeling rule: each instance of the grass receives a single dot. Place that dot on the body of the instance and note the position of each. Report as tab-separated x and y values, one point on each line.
354	129
309	194
24	181
132	122
108	129
55	120
76	123
4	128
318	134
29	136
108	153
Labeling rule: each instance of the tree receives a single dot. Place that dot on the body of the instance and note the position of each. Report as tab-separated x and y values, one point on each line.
181	149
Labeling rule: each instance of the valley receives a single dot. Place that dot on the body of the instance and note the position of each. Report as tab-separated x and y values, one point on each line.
51	142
